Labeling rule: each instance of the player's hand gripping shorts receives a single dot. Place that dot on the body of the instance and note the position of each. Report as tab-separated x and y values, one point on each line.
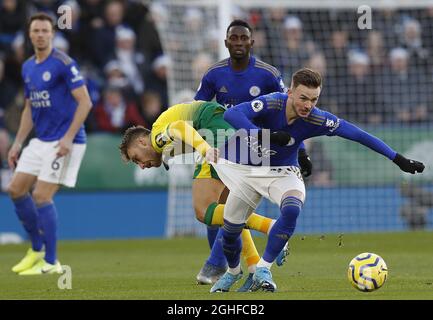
39	158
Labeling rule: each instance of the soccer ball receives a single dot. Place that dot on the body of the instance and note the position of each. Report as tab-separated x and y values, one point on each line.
367	272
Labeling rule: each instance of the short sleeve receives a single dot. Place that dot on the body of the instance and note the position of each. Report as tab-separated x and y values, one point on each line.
72	76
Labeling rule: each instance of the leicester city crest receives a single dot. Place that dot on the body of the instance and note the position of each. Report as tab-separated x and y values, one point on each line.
46	76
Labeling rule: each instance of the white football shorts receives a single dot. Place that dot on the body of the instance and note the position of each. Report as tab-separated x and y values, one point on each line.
39	159
251	183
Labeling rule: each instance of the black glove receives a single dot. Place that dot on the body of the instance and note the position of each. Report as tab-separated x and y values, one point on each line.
281	138
305	163
408	165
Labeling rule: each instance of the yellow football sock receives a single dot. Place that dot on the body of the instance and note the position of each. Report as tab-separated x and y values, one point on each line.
249	251
215	216
259	223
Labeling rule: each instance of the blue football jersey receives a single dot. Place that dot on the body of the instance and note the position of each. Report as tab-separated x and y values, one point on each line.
269	112
231	88
48	85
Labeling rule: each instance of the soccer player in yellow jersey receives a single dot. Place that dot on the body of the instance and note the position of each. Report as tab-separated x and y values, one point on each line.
171	134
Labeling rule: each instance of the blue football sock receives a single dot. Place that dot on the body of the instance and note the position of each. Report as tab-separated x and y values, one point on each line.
232	242
212	232
28	215
217	257
283	228
48	219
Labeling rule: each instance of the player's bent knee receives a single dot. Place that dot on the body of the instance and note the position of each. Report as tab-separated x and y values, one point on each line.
15	191
41	197
294	193
199	213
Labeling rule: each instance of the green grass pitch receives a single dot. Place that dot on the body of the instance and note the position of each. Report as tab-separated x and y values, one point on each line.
166	269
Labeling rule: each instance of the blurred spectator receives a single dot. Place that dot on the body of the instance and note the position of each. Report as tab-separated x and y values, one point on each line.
411	40
14	60
76	34
116	78
193	24
151	107
131	62
388	21
406	92
114	114
296	50
273	26
12	20
427	31
213	42
157	78
159	15
337	54
148	42
91	14
199	67
376	51
358	103
47	6
93	82
8	90
103	36
60	42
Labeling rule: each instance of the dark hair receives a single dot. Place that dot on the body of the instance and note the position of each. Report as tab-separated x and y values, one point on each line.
130	135
307	77
41	16
240	23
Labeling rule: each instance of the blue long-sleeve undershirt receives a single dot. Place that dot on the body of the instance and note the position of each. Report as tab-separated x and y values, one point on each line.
349	131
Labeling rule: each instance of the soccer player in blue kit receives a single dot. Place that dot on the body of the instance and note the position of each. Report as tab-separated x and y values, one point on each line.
289	118
56	105
239	78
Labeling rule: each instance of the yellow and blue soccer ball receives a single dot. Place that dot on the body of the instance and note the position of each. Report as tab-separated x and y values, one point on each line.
367	272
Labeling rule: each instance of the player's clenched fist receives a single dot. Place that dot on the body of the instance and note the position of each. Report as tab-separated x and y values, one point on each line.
13	154
212	155
408	165
65	146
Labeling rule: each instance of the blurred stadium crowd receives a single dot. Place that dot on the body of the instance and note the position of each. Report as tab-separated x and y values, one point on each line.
380	76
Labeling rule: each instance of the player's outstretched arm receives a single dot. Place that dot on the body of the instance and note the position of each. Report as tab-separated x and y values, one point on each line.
350	131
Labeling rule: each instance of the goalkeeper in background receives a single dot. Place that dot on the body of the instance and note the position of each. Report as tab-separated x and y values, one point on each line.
231	81
171	135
